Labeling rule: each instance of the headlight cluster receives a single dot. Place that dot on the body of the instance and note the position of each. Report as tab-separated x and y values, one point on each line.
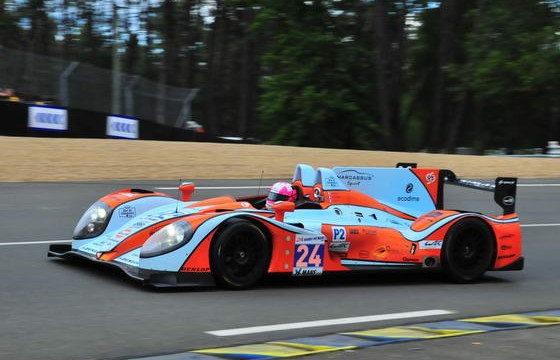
94	221
167	239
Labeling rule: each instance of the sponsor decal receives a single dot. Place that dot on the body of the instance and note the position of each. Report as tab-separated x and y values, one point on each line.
353	177
339	246
123	234
128	260
338	233
331	181
196	269
430	244
337	211
354	231
431	178
505	247
369	231
122	127
406	259
506	182
506	236
307	271
47	118
363	254
412	249
408	198
127	212
308	255
508	200
100	245
433	214
409	188
310	239
505	256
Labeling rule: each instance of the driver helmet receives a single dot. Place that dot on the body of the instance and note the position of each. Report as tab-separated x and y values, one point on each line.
280	191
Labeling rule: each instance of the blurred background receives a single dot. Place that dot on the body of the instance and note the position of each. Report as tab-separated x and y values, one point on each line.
467	76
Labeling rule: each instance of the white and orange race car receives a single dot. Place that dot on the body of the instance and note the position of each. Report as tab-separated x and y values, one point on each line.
344	219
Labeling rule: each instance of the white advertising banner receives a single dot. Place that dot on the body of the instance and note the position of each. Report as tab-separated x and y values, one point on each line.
122	127
47	118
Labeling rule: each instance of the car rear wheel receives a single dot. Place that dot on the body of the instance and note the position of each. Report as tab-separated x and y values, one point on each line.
240	255
467	251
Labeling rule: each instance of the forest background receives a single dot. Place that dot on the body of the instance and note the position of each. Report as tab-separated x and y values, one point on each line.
355	74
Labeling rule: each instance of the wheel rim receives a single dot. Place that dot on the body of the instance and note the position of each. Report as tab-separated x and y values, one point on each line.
240	255
470	249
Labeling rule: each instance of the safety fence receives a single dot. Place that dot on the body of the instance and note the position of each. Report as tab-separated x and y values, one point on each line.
82	86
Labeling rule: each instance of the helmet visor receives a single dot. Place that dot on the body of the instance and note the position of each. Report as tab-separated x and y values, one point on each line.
272	196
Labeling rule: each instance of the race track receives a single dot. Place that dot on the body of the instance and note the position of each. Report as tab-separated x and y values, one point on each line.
54	309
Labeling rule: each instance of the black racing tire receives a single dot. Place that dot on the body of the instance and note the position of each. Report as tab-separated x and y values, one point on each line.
240	255
468	251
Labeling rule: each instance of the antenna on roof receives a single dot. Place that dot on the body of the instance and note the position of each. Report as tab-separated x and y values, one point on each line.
178	196
260	182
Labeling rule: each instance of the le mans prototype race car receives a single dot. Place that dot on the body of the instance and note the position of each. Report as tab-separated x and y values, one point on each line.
344	219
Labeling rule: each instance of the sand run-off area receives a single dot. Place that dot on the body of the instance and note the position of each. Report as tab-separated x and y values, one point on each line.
50	159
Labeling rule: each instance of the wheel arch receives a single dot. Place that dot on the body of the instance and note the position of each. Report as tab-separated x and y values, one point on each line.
221	228
484	224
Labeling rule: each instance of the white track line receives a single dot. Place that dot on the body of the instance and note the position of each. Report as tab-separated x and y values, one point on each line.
538	185
539	225
35	242
330	322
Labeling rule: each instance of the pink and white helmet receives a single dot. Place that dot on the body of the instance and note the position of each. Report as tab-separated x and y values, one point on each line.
281	191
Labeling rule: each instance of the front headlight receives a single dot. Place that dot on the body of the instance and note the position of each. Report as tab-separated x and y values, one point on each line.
167	239
93	222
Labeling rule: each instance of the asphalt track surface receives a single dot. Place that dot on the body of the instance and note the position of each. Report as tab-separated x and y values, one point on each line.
55	309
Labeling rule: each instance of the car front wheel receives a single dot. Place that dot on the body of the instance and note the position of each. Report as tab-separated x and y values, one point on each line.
240	255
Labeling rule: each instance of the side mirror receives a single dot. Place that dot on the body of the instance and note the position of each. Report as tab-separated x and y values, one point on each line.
187	189
282	208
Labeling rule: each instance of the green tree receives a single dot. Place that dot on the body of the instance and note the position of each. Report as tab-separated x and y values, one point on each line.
93	46
511	70
40	36
313	89
10	32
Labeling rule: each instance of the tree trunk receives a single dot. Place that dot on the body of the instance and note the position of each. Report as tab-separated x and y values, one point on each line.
450	11
215	56
389	51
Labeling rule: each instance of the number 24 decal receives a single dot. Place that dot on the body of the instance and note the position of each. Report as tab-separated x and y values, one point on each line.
309	255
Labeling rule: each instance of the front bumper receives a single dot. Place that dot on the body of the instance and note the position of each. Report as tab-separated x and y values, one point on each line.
146	277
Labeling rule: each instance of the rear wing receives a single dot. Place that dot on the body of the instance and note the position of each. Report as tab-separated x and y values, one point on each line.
504	188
